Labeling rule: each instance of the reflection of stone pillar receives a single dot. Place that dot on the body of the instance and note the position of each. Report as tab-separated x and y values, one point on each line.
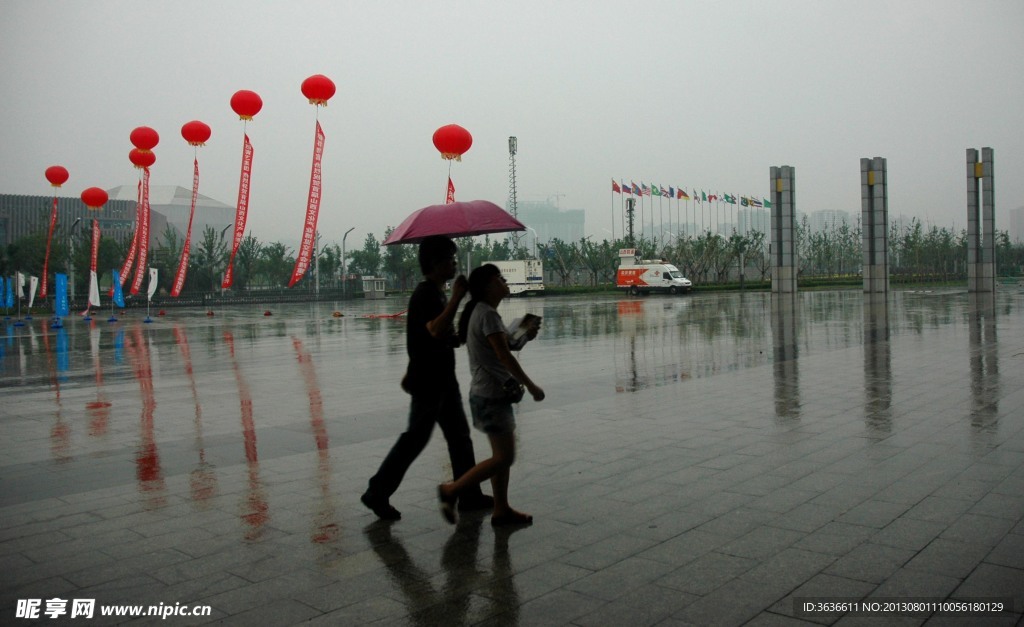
783	228
874	203
981	222
984	362
877	365
784	354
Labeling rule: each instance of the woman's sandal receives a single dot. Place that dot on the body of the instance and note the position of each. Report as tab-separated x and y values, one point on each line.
512	518
447	504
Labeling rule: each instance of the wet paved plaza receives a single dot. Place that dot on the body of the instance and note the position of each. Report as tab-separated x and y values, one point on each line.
699	460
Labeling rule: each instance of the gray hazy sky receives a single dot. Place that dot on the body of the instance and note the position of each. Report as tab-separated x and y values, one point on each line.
706	95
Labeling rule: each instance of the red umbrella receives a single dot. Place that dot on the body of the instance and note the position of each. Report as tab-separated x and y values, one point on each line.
457	219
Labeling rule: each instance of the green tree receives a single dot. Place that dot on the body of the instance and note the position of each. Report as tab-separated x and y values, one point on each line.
401	262
210	257
367	261
276	264
247	258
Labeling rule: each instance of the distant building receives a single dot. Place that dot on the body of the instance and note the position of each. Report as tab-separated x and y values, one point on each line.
1016	225
828	219
21	216
753	220
175	202
549	222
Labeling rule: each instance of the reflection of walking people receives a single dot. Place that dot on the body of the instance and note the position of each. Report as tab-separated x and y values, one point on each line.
430	379
493	366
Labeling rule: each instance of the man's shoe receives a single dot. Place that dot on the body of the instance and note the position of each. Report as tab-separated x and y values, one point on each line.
476	503
381	507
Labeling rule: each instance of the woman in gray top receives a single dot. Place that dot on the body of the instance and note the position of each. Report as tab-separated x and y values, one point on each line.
495	371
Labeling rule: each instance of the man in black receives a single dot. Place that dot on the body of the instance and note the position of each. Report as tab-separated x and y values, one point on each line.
430	379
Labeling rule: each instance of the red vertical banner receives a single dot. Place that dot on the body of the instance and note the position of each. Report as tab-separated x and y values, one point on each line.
450	198
241	211
142	234
179	277
49	239
95	245
312	211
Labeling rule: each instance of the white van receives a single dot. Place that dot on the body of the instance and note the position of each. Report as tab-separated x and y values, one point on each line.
642	276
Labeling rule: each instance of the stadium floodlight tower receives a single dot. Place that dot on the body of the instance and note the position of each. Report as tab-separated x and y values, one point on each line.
513	148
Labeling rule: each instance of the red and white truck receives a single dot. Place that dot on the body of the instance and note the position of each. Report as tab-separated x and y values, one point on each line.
643	276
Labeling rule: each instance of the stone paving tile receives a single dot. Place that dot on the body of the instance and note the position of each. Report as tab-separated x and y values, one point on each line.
713	498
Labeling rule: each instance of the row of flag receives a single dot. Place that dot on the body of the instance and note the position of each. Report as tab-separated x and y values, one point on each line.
680	194
12	290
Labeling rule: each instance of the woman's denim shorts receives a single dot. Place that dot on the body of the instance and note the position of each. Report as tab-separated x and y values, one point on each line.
492	416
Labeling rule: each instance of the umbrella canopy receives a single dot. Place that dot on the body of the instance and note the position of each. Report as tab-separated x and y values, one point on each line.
457	219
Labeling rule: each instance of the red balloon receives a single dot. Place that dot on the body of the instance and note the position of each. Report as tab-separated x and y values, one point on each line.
453	141
195	133
319	89
246	104
141	158
94	197
145	138
57	175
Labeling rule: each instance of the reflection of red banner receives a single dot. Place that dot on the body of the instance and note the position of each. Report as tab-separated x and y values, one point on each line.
142	234
179	277
450	198
241	211
49	238
312	211
95	244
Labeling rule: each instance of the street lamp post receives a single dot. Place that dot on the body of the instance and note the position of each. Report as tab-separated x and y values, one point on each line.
534	241
344	267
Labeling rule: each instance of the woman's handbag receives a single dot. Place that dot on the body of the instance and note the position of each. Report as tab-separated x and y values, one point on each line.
514	391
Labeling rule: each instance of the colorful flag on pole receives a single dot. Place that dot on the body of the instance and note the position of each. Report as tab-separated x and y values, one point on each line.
636	189
118	295
703	196
152	284
744	202
696	196
682	195
615	187
626	189
755	202
61	305
767	204
655	190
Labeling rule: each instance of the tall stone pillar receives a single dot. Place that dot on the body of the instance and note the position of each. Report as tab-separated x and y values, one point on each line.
981	222
783	229
874	209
